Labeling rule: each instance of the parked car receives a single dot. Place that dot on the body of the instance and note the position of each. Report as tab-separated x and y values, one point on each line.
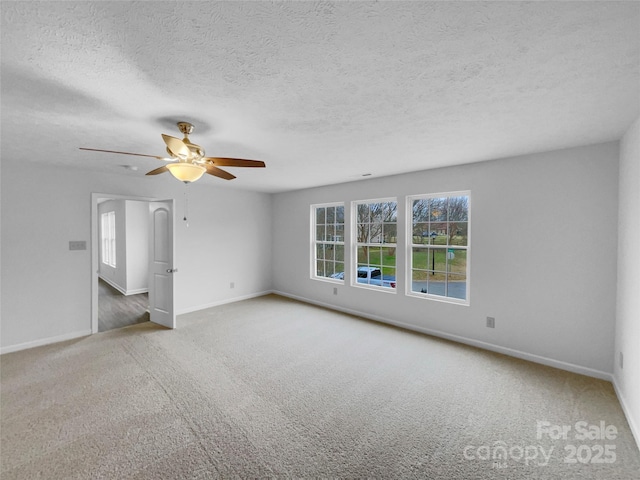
374	276
370	276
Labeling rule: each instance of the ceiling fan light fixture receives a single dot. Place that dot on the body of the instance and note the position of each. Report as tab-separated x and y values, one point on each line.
186	172
188	162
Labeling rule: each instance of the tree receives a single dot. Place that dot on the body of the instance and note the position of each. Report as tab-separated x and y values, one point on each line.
376	223
458	217
443	216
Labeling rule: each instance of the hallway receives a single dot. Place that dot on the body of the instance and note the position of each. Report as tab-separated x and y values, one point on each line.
116	310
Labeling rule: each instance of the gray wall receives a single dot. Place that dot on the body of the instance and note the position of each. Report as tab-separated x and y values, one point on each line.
627	376
130	275
115	276
46	288
137	245
543	255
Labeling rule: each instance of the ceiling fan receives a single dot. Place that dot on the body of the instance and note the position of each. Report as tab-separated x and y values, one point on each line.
188	162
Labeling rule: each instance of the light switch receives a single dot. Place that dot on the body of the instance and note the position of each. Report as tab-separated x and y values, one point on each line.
77	245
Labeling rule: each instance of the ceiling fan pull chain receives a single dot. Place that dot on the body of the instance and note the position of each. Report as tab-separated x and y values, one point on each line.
186	204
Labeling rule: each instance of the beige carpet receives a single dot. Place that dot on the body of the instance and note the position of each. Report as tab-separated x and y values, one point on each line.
270	387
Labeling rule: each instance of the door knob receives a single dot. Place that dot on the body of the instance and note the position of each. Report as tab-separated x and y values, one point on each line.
172	270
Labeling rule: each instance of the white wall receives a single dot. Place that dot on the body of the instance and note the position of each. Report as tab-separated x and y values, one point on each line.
130	275
627	339
543	258
137	245
47	288
229	238
115	276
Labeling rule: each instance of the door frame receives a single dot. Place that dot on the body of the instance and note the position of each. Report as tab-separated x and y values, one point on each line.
95	243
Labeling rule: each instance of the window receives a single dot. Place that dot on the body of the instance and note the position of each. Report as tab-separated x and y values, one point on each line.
375	227
108	234
328	241
439	246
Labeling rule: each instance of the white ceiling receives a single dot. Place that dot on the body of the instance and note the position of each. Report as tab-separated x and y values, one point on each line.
323	92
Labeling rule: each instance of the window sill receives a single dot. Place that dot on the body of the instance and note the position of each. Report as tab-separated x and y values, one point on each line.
375	288
328	280
438	298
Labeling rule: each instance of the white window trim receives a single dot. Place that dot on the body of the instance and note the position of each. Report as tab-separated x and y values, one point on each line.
312	244
108	238
353	264
409	249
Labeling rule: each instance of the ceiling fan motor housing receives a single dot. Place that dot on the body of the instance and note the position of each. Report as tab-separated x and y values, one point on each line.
185	128
196	151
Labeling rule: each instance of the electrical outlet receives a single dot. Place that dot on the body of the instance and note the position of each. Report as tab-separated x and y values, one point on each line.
621	356
335	290
491	322
232	285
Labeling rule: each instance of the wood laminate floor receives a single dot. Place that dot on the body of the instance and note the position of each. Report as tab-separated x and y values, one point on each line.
116	310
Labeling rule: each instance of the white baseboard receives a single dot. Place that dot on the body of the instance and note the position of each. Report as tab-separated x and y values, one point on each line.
223	302
84	333
124	291
136	291
570	367
633	425
113	284
44	341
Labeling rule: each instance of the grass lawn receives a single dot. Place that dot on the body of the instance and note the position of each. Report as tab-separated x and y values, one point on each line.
425	260
379	256
427	263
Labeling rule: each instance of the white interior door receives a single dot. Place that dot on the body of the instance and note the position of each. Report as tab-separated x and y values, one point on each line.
161	268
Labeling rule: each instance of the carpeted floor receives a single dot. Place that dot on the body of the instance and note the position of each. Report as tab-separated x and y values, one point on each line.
270	387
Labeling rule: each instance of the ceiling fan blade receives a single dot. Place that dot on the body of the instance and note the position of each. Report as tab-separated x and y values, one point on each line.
234	162
218	172
122	153
158	170
176	146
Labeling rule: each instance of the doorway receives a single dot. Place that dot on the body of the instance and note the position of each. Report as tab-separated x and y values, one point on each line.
117	310
120	280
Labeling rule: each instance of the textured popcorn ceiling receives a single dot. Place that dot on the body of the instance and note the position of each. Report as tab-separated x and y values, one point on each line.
323	92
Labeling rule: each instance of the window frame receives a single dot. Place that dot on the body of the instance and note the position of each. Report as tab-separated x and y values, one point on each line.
314	242
353	264
108	238
410	245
